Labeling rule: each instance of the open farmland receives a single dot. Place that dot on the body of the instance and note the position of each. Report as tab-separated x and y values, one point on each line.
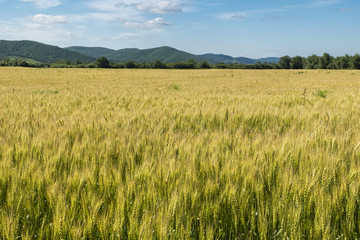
166	154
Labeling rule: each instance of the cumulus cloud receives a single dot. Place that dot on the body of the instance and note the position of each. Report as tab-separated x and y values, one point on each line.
50	19
151	6
154	23
134	14
160	7
44	3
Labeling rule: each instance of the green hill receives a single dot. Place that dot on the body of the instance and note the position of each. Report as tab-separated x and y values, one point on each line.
39	52
94	52
217	58
164	54
269	59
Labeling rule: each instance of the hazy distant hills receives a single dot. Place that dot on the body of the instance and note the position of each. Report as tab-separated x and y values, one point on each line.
217	58
47	53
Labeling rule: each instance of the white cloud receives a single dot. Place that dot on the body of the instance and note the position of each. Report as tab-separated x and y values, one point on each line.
43	28
133	14
31	31
111	11
160	7
50	19
238	16
105	5
309	5
154	23
107	17
42	22
44	3
151	6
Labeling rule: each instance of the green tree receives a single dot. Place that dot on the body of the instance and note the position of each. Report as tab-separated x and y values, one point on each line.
297	62
181	65
191	64
326	61
355	62
24	64
312	62
222	65
129	64
342	62
78	62
204	65
102	62
284	62
159	65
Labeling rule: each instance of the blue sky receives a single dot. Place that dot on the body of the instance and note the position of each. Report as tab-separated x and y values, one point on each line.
258	28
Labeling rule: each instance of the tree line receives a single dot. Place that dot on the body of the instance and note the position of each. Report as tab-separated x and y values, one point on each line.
326	61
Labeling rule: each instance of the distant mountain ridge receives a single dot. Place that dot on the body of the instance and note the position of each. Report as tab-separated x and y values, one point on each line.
164	54
39	52
94	52
47	53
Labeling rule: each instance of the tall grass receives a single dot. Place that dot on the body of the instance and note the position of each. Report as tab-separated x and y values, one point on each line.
118	154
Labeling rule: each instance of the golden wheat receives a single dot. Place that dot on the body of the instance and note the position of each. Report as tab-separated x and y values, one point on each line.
189	154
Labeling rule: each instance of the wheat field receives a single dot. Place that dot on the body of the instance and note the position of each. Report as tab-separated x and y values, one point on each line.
179	154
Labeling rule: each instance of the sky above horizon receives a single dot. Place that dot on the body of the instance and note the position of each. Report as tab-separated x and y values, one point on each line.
258	28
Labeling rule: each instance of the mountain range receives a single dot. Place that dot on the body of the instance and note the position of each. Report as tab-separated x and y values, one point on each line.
39	52
47	53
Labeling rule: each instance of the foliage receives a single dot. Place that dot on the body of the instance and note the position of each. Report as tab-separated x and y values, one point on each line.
355	62
117	154
204	65
322	93
297	62
102	62
326	61
174	87
130	64
285	62
312	62
159	65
